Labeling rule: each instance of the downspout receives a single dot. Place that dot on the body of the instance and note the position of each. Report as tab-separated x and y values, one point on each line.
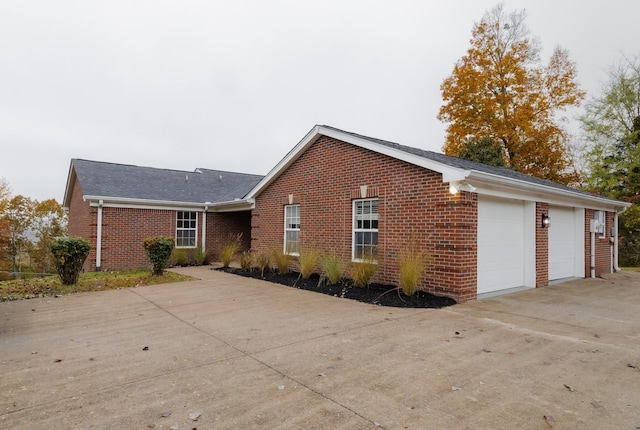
204	227
593	226
99	237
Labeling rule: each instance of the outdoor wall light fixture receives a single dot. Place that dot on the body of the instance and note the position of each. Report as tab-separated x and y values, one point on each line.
546	221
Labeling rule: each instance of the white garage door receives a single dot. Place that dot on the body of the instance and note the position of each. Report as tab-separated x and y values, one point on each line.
501	244
562	243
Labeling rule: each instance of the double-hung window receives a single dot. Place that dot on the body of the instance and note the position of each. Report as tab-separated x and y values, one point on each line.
186	229
292	229
365	229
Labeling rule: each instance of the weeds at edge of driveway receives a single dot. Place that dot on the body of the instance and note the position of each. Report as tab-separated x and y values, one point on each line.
19	289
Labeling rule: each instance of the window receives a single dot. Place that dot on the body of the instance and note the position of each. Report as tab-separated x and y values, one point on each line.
186	228
601	218
292	229
365	229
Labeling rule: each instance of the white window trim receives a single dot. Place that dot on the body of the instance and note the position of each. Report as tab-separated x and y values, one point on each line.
355	230
287	229
182	228
601	216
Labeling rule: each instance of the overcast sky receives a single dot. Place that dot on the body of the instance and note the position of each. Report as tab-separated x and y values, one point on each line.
234	85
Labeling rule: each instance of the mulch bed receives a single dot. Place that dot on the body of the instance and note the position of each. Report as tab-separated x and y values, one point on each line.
377	294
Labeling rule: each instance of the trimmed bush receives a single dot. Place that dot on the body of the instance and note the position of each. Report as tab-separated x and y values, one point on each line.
362	272
230	249
69	254
331	269
158	250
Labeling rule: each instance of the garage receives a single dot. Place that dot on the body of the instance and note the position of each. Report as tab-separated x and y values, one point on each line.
503	243
564	249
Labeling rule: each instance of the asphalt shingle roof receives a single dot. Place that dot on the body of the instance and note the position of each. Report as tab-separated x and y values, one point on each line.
466	164
149	183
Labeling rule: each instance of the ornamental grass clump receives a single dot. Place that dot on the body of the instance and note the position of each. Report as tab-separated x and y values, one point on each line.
246	260
179	257
230	249
261	261
412	264
282	261
69	254
200	257
331	268
158	249
362	271
308	260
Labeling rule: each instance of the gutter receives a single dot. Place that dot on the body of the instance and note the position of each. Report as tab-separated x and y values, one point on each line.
124	202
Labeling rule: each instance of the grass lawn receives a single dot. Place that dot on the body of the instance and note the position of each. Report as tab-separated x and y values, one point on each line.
95	281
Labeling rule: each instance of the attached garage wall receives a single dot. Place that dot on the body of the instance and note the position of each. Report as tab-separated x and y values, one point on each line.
566	242
506	244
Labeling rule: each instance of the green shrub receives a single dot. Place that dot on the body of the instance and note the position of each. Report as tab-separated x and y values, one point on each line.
246	260
282	261
179	257
230	249
158	250
261	261
411	266
331	268
69	254
200	257
361	272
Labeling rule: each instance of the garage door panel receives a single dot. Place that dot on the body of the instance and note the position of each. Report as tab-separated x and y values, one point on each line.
562	243
501	244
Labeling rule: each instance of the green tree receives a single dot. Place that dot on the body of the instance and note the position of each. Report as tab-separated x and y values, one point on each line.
501	91
49	223
483	151
18	212
611	128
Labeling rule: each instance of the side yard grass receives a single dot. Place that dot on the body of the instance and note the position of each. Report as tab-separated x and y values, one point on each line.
19	289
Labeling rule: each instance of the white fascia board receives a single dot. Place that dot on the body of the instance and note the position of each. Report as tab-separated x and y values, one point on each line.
68	191
232	206
499	186
449	173
123	202
287	161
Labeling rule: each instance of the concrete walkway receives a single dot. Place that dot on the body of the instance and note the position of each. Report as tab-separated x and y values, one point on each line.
227	352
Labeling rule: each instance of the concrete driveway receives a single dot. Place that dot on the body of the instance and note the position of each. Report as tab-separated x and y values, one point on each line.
227	352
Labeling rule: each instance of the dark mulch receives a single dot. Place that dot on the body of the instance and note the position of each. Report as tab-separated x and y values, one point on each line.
377	294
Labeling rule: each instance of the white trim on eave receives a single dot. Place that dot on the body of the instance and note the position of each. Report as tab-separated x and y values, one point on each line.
500	186
131	203
449	173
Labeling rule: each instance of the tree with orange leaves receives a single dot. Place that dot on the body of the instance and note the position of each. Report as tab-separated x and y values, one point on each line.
500	91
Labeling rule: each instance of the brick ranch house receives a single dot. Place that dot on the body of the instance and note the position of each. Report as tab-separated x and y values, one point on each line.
116	206
487	230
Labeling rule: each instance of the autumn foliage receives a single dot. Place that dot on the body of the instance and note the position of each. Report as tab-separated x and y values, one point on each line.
500	91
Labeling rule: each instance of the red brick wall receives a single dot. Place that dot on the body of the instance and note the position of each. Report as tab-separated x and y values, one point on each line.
82	223
542	246
221	225
414	204
123	230
602	245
